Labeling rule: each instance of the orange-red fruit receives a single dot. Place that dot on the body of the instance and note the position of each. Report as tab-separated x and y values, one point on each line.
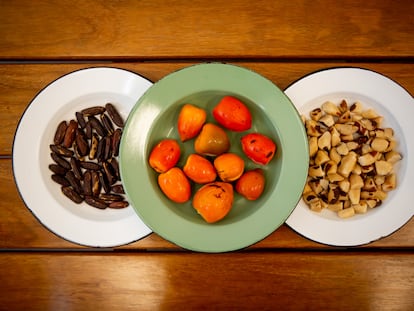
232	114
229	166
175	185
212	140
199	169
190	121
164	155
258	147
213	201
251	184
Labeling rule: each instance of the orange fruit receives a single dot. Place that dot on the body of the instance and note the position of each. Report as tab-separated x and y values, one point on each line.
164	155
212	140
233	114
190	121
213	201
251	184
175	185
258	147
199	169
229	166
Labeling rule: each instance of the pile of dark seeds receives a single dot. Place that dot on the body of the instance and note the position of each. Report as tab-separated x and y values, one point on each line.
84	152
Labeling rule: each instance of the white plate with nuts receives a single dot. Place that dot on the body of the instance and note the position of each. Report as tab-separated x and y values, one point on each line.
359	186
65	156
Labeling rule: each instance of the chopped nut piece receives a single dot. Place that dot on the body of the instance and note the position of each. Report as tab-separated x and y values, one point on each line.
347	212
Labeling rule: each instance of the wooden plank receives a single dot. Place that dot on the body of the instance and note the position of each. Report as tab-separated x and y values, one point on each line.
231	29
20	229
176	281
21	82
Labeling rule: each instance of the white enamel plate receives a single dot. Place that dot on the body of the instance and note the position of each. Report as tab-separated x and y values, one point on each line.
396	105
59	101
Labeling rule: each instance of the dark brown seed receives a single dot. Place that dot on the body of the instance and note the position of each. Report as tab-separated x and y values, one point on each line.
70	134
118	204
118	189
60	133
114	114
94	146
107	149
61	180
82	143
96	184
108	197
74	182
109	173
88	130
81	119
93	111
107	123
62	151
115	167
104	182
97	126
116	139
76	168
57	169
59	160
90	165
95	202
76	150
87	183
101	150
72	194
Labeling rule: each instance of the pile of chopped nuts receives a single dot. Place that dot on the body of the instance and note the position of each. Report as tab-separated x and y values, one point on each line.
352	159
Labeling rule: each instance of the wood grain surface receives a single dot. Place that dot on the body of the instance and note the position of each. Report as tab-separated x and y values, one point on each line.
205	29
188	281
43	40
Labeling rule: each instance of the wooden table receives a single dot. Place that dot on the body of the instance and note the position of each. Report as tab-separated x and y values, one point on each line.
282	40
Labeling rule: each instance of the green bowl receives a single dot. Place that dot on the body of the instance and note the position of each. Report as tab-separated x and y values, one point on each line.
154	118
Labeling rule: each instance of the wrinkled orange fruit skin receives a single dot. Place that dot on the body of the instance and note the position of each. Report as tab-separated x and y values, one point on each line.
212	140
213	201
199	169
232	114
164	155
258	147
229	166
251	184
190	121
175	185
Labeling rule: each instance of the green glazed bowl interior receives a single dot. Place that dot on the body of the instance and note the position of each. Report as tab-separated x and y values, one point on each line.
154	118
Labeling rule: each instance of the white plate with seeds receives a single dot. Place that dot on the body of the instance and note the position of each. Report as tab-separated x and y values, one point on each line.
396	106
60	100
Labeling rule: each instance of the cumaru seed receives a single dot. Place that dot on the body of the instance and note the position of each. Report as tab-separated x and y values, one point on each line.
114	114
